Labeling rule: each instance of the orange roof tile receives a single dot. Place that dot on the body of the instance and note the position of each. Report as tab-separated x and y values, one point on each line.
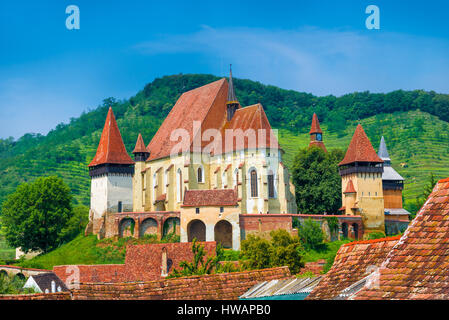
140	145
353	262
207	105
360	149
417	267
315	128
350	187
111	149
217	197
250	118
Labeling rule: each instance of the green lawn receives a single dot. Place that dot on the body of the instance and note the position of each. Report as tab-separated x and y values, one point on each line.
6	252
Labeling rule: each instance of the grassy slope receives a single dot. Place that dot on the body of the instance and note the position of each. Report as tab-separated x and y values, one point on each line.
424	151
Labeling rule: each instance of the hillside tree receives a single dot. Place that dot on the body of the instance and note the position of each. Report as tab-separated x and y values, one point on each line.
36	213
317	181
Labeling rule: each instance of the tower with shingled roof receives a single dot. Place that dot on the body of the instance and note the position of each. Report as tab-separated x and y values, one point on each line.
111	172
316	134
362	194
392	184
141	154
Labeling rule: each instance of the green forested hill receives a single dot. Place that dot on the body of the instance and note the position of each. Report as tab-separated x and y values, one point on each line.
418	138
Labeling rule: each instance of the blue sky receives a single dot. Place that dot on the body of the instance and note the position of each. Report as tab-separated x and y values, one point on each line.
49	73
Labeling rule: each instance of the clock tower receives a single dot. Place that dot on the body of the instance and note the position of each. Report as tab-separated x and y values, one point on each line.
316	134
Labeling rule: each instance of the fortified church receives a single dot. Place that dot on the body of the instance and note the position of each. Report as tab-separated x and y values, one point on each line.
213	171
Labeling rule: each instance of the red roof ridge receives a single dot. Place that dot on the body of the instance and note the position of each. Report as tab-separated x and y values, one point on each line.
394	238
140	145
111	149
315	128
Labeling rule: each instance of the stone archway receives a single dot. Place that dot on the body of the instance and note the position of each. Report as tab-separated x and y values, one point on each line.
344	229
196	229
223	233
171	226
355	228
126	228
148	227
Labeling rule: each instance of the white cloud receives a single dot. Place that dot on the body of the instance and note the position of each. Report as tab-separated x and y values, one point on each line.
316	60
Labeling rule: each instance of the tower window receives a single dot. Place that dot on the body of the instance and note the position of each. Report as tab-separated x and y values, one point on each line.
197	210
119	205
253	175
270	185
200	174
221	209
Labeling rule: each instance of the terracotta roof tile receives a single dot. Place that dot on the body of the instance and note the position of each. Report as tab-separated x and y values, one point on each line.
111	149
353	262
417	267
360	149
218	197
315	128
140	145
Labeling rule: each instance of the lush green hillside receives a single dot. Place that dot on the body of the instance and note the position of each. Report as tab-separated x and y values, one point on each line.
411	135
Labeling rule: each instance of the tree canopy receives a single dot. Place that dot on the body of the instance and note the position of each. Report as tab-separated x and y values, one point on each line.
36	213
317	181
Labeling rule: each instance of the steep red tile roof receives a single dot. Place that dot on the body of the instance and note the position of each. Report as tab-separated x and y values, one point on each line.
206	104
221	286
315	128
253	118
217	197
417	267
353	262
111	148
360	149
140	145
350	187
318	144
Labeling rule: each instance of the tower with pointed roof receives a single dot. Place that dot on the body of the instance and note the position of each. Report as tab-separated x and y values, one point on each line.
111	172
141	154
316	134
232	103
392	184
362	194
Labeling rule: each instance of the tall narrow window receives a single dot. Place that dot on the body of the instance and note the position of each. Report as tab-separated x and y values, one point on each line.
270	185
200	174
253	183
179	192
119	206
223	180
154	186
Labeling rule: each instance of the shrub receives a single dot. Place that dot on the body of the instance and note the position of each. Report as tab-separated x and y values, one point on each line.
376	235
256	252
311	234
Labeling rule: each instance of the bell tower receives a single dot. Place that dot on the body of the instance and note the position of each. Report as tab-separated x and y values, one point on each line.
316	134
361	173
111	172
231	104
141	154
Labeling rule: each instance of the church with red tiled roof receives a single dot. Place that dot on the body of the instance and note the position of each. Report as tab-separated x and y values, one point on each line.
210	162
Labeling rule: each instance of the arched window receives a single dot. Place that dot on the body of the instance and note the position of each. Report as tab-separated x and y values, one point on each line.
165	181
179	186
200	173
236	177
253	175
270	179
223	180
154	186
